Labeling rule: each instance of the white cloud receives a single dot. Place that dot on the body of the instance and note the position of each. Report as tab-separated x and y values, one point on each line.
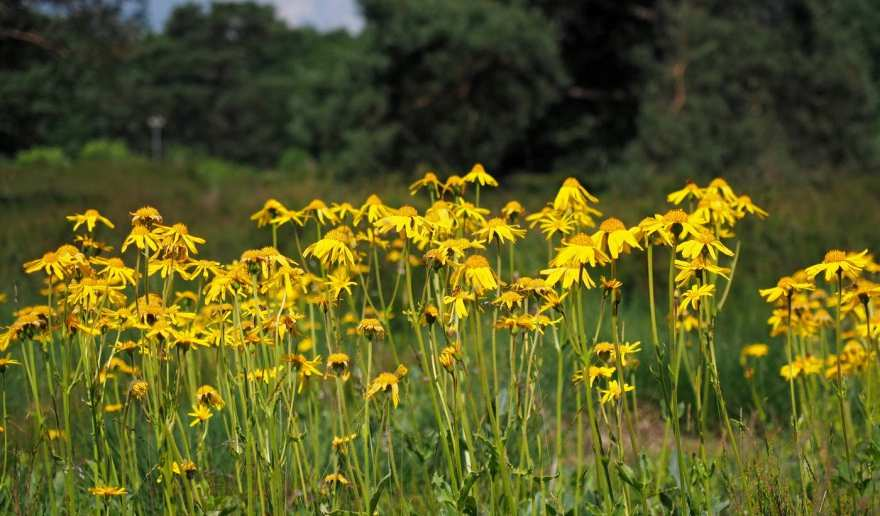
322	14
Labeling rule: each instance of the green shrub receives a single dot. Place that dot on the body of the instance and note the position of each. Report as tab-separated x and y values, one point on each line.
295	159
105	150
216	171
51	156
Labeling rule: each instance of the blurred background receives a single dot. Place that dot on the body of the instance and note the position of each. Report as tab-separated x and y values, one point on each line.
689	87
206	109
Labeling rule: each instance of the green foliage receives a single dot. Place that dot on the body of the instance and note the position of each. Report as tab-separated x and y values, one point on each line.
221	78
796	92
622	89
105	149
42	156
463	79
337	107
295	159
214	171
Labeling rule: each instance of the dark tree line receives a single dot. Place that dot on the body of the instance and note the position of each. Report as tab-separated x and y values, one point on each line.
694	87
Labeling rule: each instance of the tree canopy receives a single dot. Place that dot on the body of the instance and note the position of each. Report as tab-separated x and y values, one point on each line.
691	87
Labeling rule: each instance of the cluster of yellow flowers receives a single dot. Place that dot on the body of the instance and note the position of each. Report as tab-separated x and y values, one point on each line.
803	310
256	340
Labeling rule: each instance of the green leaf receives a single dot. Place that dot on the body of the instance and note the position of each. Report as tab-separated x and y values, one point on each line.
374	500
463	493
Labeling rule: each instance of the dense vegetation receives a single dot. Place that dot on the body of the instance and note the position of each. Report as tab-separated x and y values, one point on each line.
803	222
695	88
489	332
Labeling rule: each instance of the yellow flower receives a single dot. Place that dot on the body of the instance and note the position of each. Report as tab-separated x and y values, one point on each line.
573	196
338	363
286	216
335	479
201	413
373	209
614	391
673	225
371	328
54	264
317	209
784	287
794	369
112	408
343	210
55	434
264	260
756	350
704	243
118	364
430	314
449	356
577	251
719	187
554	222
614	238
608	351
88	291
146	216
138	389
224	282
6	362
508	299
837	262
690	190
338	281
568	276
307	344
187	467
208	395
469	212
512	210
302	364
429	180
340	443
716	208
862	291
201	269
108	491
387	382
405	220
90	218
498	229
698	266
525	322
167	267
476	273
479	175
270	210
454	183
744	205
451	249
176	237
693	296
440	218
591	373
141	237
115	270
334	248
457	299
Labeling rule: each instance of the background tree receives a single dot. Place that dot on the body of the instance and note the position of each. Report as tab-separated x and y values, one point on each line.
761	87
